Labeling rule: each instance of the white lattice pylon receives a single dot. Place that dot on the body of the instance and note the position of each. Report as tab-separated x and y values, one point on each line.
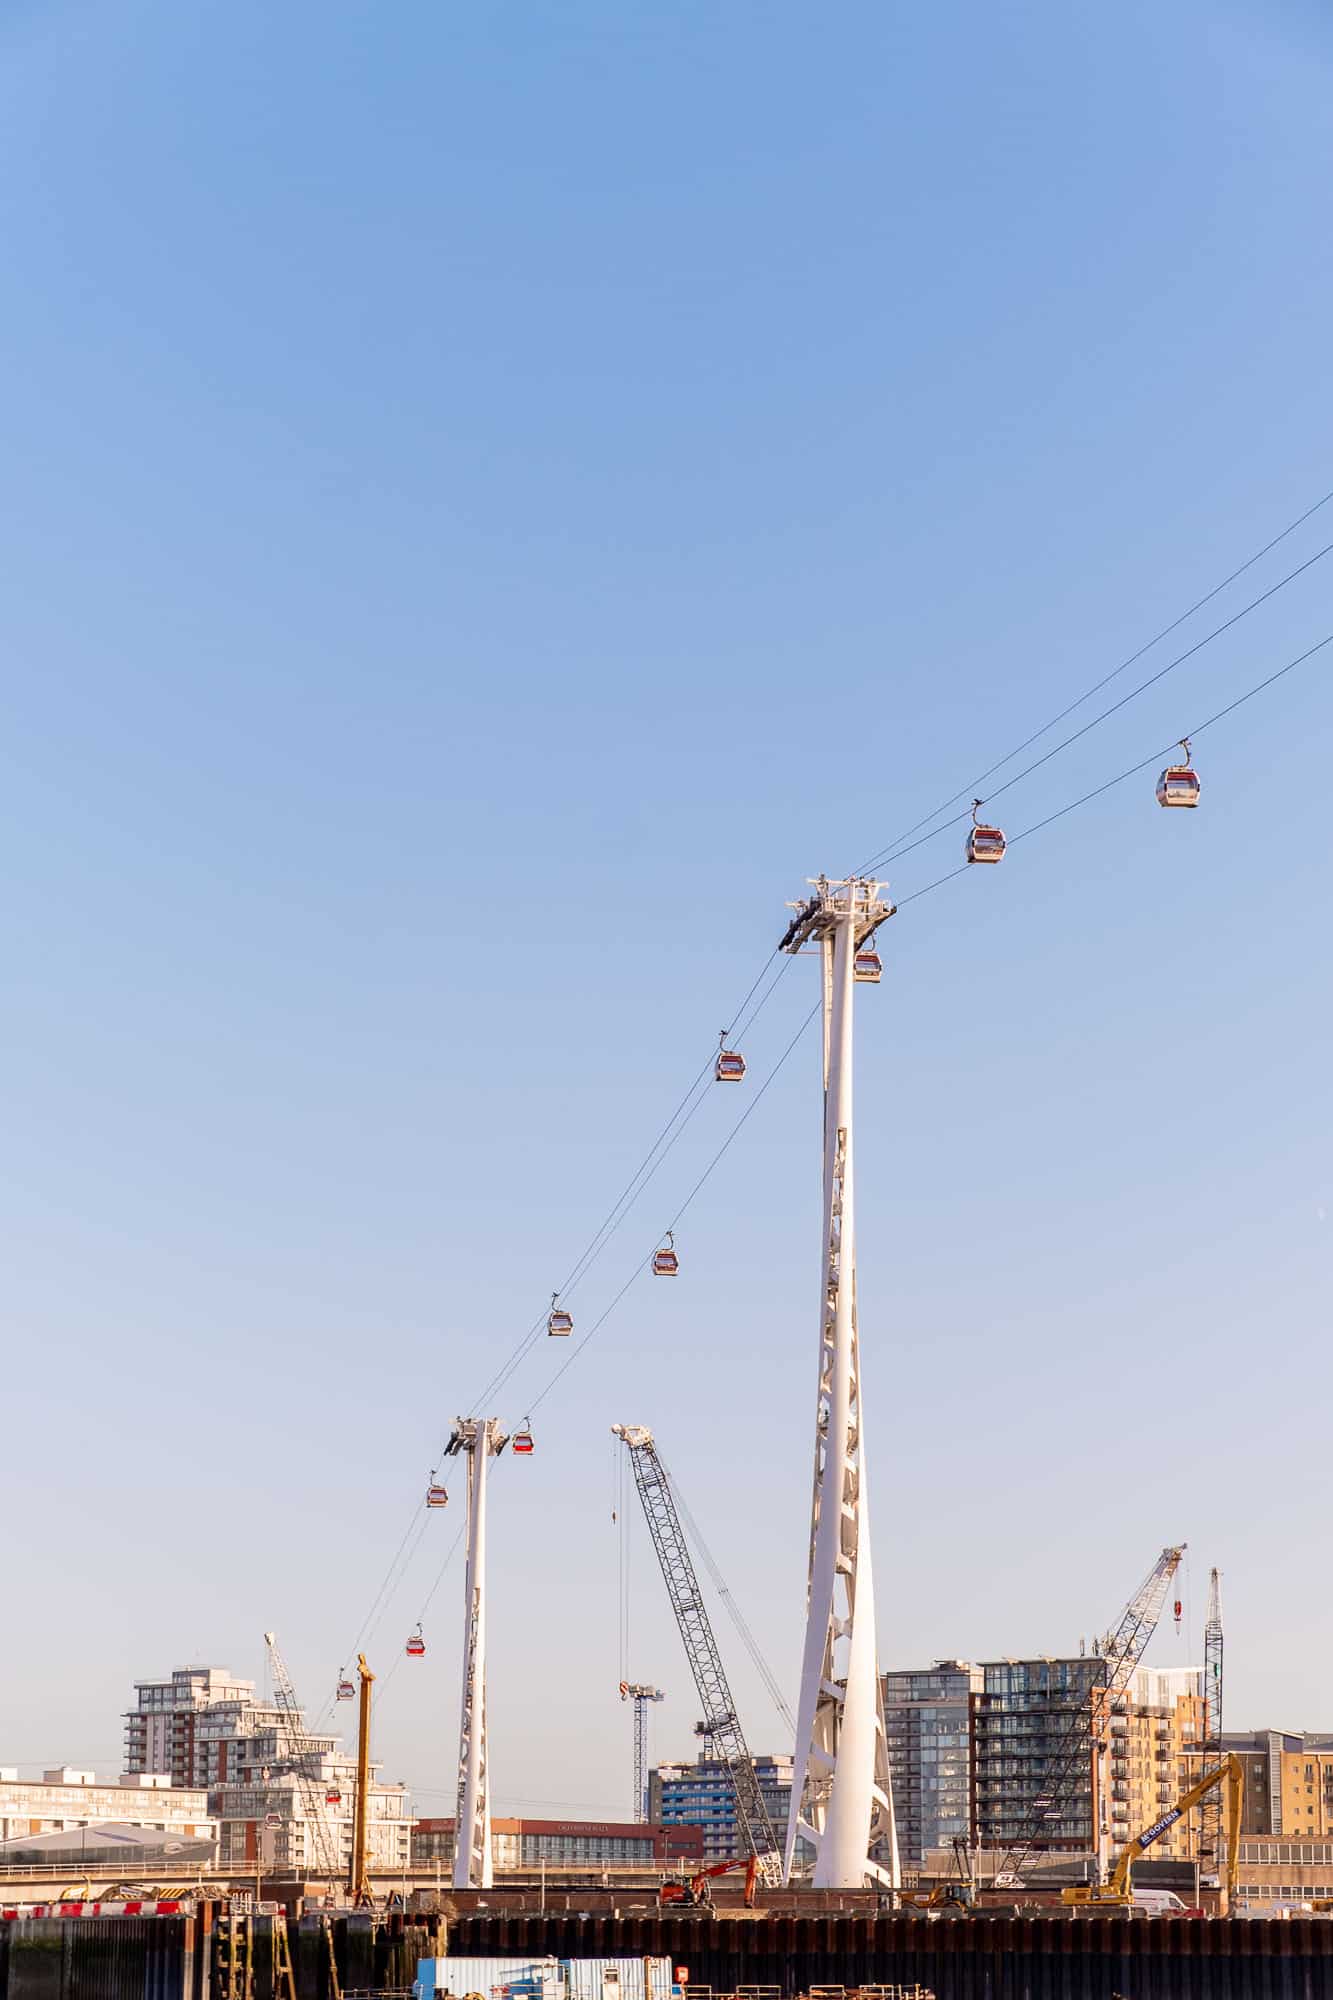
841	1799
472	1835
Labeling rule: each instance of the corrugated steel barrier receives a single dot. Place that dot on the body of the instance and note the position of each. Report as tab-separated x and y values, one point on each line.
99	1958
978	1958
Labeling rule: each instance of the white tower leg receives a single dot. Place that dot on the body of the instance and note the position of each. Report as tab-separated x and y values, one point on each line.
472	1836
841	1796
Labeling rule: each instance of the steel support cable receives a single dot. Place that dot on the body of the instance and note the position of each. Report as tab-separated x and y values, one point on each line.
1046	756
662	1146
969	791
430	1599
698	1090
1144	764
708	1171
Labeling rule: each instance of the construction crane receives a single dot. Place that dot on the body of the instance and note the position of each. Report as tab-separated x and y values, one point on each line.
358	1867
1210	1811
721	1723
1069	1766
300	1754
640	1694
1118	1893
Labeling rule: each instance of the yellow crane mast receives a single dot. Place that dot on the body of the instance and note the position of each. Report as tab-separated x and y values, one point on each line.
358	1873
1118	1893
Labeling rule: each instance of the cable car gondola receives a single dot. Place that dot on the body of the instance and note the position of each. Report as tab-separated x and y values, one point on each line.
866	966
1176	1610
522	1440
730	1064
559	1322
333	1798
436	1495
346	1688
1179	783
665	1261
984	843
416	1645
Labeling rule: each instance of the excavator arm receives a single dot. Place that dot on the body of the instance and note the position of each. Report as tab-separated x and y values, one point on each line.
1230	1772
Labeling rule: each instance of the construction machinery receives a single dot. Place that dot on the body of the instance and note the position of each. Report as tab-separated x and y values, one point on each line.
697	1893
358	1875
721	1723
1070	1765
301	1756
958	1893
1118	1893
640	1693
1210	1811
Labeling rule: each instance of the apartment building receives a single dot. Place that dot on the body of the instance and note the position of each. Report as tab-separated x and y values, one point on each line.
930	1721
1288	1782
701	1794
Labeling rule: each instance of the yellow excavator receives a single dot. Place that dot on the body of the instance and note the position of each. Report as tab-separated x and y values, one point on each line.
1118	1893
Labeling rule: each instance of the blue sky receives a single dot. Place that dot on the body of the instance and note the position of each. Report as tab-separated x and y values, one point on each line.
493	499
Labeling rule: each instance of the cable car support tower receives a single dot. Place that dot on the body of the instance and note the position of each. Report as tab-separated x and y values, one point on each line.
482	1440
842	1800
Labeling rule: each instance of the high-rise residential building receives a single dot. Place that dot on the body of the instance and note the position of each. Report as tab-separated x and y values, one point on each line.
206	1727
1288	1782
1153	1733
930	1718
184	1727
701	1794
1023	1732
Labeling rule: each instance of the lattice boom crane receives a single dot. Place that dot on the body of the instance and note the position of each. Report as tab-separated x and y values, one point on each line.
1210	1827
1071	1761
300	1753
721	1722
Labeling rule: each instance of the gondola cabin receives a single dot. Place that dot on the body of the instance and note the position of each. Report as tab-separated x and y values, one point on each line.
665	1261
867	968
332	1798
523	1441
437	1495
1178	786
416	1645
985	843
560	1324
346	1690
730	1066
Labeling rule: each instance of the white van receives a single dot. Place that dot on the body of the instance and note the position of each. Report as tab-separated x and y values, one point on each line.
1160	1903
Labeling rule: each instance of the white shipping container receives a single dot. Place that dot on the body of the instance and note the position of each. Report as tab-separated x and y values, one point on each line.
618	1978
492	1978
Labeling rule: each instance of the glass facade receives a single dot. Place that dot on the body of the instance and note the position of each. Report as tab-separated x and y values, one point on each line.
1027	1733
929	1719
700	1794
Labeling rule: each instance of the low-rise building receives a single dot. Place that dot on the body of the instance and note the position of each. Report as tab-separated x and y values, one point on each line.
576	1847
70	1800
1288	1782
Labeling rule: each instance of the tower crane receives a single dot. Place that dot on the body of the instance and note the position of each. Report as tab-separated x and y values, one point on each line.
721	1721
640	1694
1070	1763
300	1753
1210	1811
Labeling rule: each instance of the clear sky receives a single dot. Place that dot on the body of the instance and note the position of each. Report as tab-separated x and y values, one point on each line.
494	497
